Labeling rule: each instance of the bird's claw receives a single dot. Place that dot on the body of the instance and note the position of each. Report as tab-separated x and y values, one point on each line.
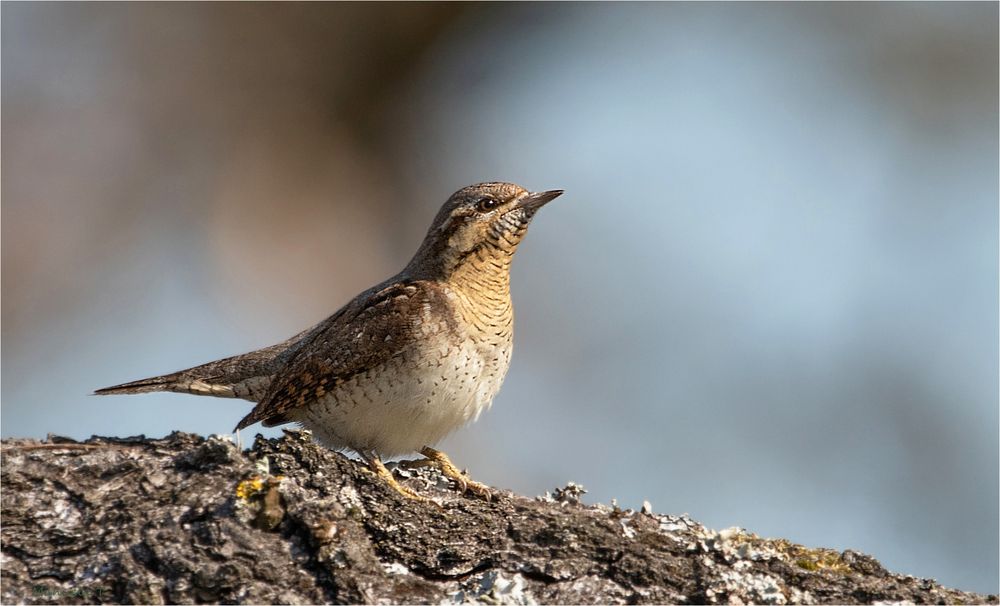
465	485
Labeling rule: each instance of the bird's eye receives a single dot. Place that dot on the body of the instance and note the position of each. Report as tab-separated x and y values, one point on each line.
487	204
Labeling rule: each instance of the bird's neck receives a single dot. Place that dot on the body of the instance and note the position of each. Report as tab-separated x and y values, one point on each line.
481	290
484	274
479	281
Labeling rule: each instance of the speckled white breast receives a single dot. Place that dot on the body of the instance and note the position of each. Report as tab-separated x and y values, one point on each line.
414	400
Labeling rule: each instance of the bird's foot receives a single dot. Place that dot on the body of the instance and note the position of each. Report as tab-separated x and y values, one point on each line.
438	459
380	470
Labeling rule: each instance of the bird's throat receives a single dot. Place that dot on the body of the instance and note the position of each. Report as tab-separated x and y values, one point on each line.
482	285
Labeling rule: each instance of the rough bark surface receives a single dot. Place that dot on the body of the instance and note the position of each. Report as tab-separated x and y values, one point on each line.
186	519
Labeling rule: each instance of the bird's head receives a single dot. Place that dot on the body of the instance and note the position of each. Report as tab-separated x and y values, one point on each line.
486	221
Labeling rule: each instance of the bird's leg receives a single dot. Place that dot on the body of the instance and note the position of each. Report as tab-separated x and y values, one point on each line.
379	469
436	458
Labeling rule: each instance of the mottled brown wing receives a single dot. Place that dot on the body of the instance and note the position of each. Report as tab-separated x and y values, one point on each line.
368	331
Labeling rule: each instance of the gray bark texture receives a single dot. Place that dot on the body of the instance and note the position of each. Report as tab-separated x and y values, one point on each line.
186	519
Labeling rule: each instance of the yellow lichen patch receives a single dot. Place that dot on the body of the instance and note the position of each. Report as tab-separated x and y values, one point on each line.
249	487
748	545
813	559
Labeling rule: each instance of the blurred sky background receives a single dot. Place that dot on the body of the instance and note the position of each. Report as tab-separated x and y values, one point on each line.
768	297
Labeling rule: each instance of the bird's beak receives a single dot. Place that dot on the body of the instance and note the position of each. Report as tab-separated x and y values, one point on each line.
535	200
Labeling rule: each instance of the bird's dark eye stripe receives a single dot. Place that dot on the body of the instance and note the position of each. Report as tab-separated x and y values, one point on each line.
485	204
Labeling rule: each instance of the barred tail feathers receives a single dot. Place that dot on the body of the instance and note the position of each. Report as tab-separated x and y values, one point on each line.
179	382
245	376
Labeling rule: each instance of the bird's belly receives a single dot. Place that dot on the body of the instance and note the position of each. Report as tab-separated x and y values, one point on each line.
413	401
